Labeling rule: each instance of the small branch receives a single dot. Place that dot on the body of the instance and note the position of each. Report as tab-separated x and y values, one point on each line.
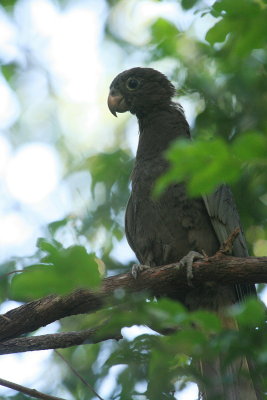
78	375
11	273
227	245
31	392
168	280
55	341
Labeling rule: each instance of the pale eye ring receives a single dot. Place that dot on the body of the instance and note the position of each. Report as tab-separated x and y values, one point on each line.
132	83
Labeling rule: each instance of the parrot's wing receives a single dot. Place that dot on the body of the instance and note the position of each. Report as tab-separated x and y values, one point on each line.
225	219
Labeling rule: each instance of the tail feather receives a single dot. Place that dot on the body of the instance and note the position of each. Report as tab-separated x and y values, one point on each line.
234	383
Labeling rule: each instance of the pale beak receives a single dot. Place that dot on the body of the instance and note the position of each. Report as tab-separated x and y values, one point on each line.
116	102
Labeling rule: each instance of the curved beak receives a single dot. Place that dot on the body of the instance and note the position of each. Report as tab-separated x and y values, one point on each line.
116	102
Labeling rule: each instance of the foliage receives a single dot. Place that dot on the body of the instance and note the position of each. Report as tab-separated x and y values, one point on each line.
239	70
203	163
154	362
224	78
59	271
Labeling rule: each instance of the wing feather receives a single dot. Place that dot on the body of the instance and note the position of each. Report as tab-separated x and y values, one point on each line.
224	218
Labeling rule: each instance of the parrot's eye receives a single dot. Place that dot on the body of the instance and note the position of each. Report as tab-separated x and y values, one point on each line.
132	84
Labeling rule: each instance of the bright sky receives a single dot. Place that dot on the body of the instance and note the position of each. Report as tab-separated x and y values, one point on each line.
69	47
32	193
30	175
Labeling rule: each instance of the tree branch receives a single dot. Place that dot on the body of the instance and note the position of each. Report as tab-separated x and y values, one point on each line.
31	392
55	341
167	280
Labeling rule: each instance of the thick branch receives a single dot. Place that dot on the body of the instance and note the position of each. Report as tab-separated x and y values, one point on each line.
160	281
55	341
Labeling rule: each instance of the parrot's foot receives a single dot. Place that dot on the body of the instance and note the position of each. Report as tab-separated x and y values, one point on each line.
187	261
137	269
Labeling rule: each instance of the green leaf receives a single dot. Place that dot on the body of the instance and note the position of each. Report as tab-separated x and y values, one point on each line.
55	225
208	321
49	246
60	272
9	71
251	147
166	312
188	341
251	314
109	168
164	38
203	165
218	33
243	22
187	4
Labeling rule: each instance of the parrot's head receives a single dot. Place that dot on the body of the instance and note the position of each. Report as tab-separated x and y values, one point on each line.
139	90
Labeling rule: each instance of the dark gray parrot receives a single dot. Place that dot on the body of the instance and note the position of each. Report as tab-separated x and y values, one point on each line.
164	230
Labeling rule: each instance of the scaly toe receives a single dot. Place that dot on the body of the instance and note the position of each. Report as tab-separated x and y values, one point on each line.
187	261
137	269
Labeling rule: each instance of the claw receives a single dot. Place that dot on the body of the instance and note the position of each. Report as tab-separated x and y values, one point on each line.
187	261
137	269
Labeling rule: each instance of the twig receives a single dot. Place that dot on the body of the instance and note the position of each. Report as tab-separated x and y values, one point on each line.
227	245
31	392
12	272
78	375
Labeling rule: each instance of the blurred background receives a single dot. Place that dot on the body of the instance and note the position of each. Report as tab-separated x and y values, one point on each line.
65	160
